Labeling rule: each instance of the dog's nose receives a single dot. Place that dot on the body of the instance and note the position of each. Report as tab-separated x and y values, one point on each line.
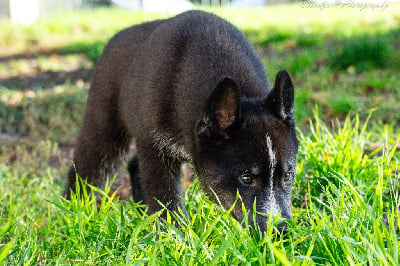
282	228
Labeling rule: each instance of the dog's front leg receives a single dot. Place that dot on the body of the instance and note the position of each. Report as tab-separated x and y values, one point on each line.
159	177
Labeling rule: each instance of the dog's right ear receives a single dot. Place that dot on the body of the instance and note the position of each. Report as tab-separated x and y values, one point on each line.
221	114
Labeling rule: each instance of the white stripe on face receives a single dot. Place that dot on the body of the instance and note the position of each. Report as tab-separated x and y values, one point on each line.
272	156
272	164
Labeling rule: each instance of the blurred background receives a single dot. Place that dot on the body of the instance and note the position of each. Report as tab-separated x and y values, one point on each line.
26	12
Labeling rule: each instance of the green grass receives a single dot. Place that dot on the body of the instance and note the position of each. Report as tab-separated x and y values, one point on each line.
43	114
365	53
345	198
346	211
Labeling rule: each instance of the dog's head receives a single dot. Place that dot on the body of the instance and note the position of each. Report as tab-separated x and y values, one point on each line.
249	146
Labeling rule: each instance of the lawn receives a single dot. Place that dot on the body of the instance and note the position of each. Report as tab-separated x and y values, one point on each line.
345	64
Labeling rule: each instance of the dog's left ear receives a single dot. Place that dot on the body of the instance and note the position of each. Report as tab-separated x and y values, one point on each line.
280	100
221	114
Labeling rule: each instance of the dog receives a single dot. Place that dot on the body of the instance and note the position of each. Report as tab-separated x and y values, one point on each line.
190	88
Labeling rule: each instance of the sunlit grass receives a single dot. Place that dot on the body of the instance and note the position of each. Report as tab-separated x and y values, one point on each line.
349	214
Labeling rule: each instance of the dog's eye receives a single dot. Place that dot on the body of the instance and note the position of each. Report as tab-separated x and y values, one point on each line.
246	178
287	176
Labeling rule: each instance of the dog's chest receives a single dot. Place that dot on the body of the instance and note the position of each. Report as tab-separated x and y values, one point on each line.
168	147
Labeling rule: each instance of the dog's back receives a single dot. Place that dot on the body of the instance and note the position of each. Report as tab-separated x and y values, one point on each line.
177	67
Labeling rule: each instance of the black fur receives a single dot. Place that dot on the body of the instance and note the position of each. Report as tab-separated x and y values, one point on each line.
190	88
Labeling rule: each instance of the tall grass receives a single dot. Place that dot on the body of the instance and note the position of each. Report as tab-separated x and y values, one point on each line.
346	212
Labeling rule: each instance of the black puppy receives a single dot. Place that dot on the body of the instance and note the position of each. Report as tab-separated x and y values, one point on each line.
190	88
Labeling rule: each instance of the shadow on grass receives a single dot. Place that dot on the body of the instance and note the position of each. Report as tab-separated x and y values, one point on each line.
52	115
46	79
364	52
43	94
